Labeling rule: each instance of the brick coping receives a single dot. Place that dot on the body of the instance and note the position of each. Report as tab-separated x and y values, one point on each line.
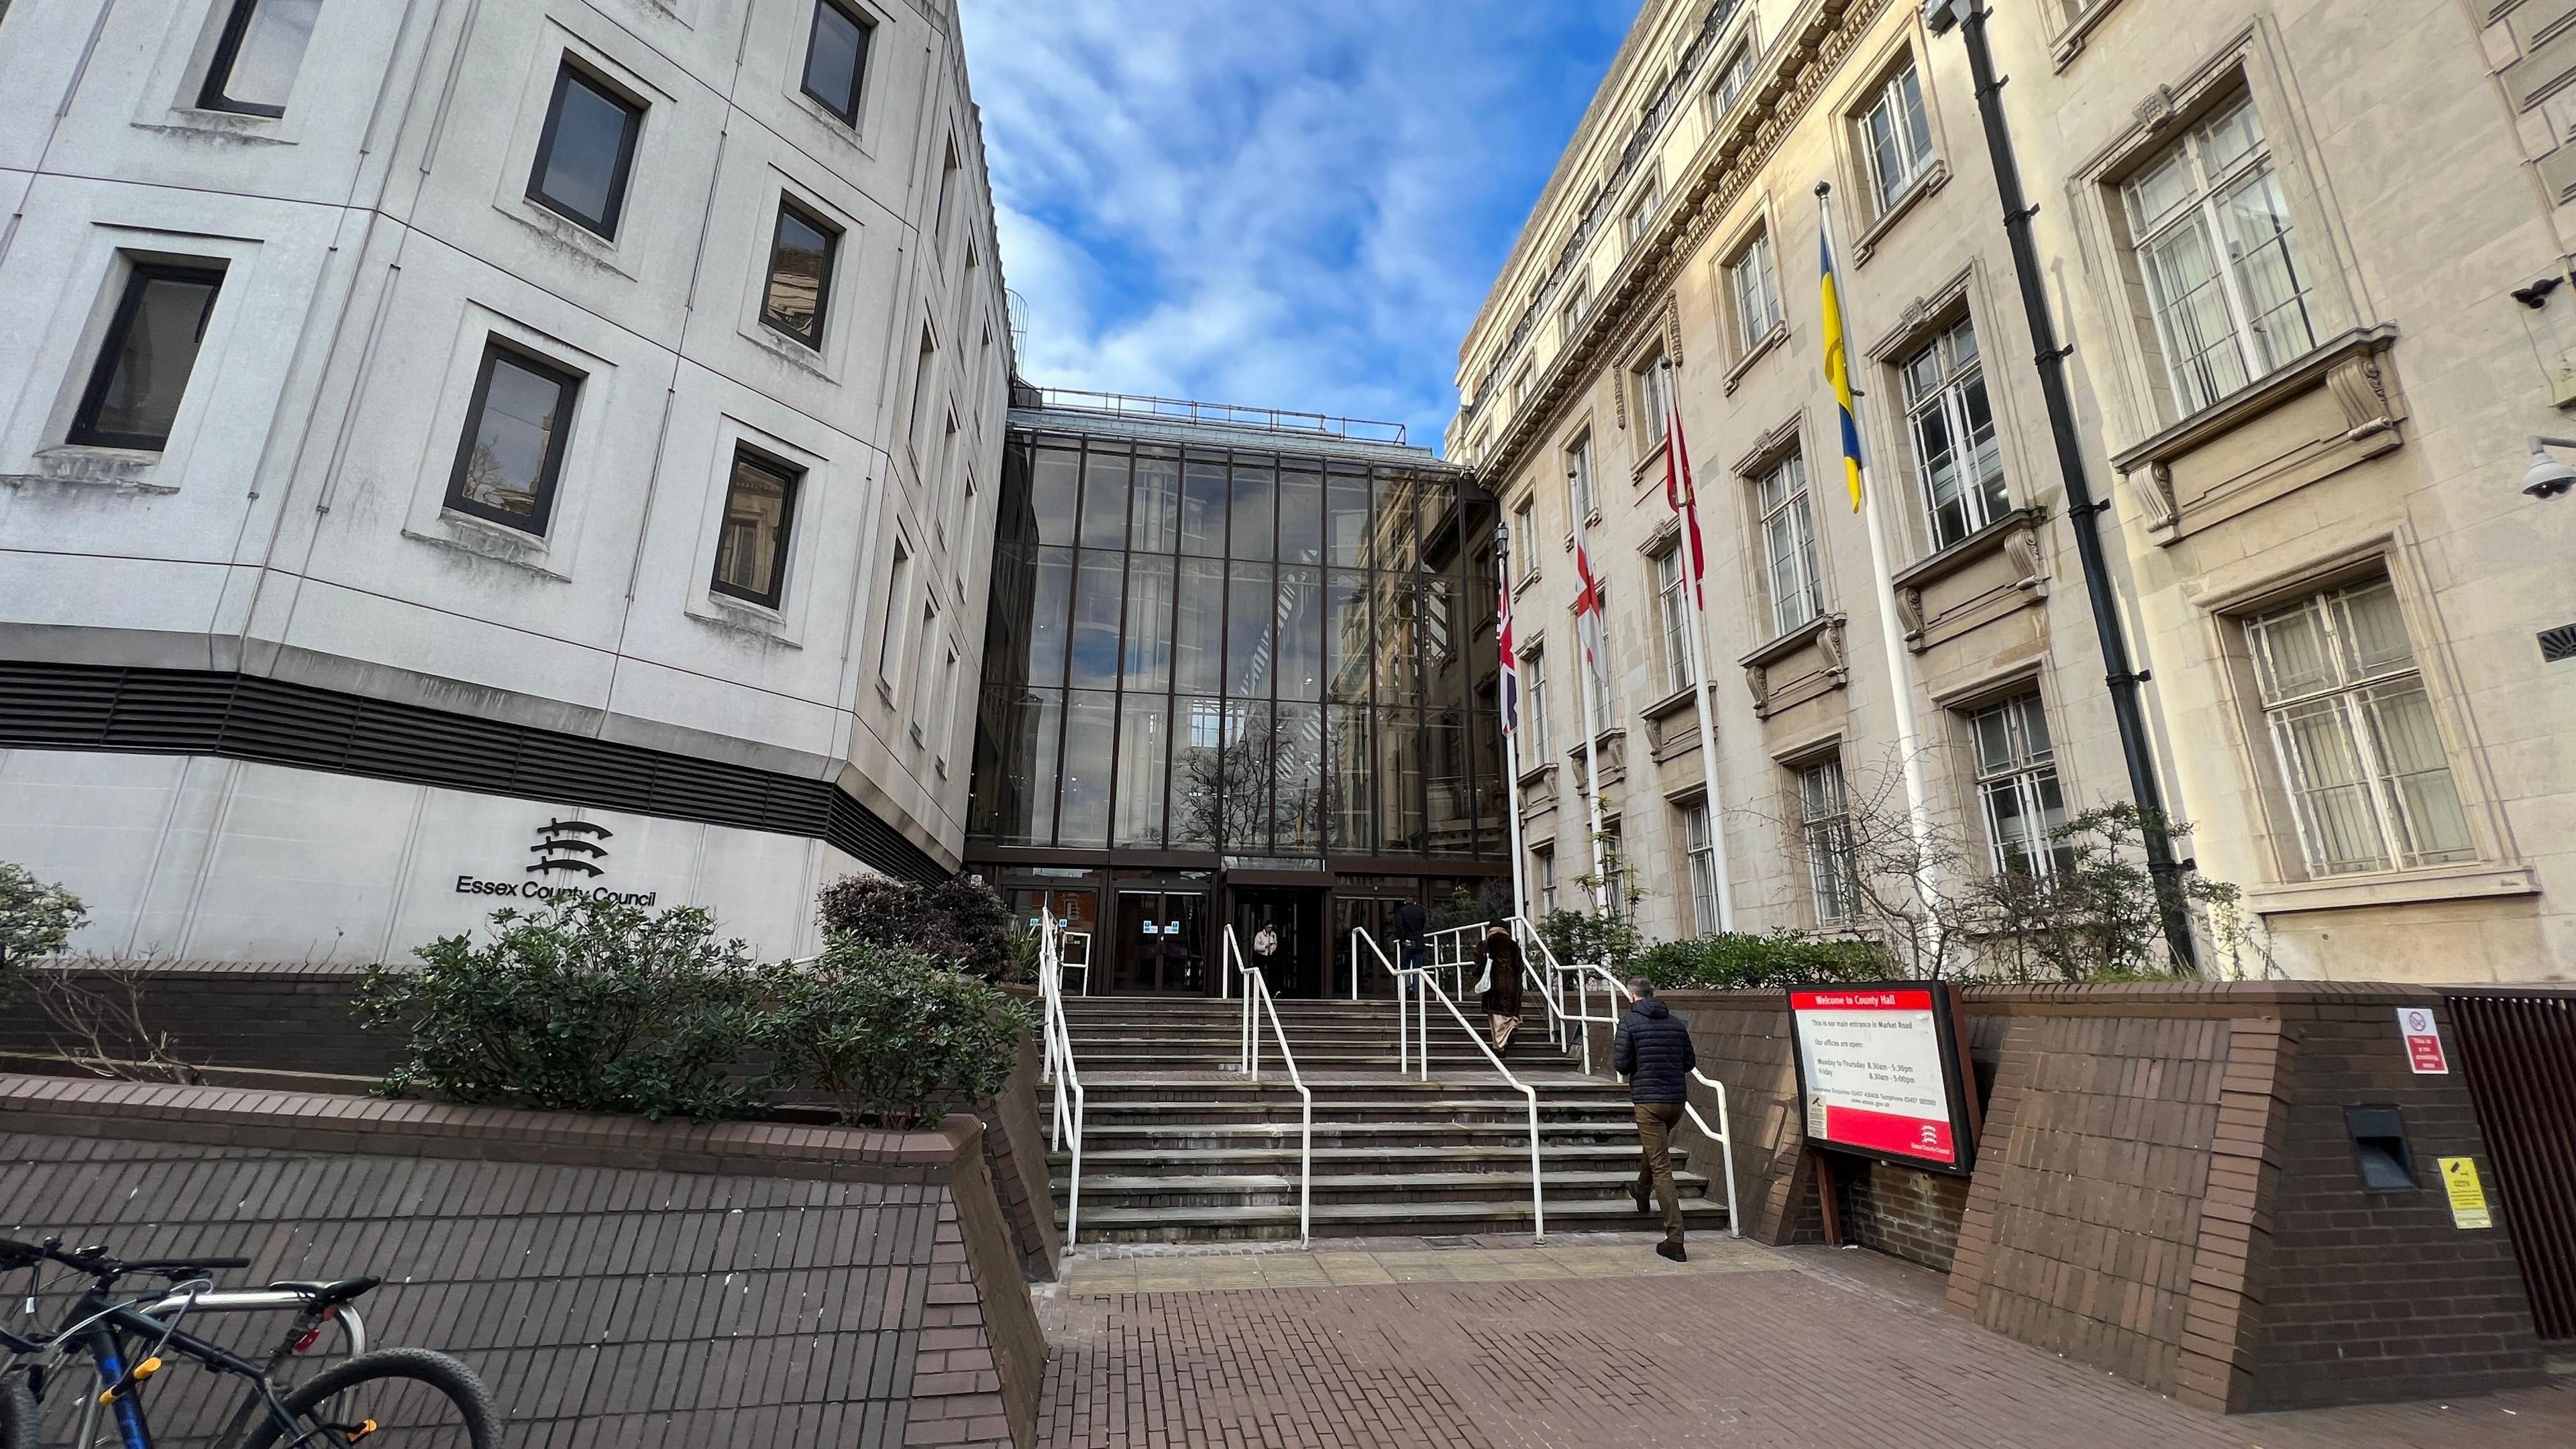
312	1121
2171	999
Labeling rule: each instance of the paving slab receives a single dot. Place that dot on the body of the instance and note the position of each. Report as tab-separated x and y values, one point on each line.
1503	1342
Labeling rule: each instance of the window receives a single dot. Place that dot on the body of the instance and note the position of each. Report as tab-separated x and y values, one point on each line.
947	714
1578	305
760	506
583	157
1521	386
948	166
1641	212
890	643
1896	139
256	60
1545	860
2222	269
144	362
800	274
836	58
948	452
1824	832
2017	787
1525	554
1789	544
1672	613
1654	401
1579	499
925	686
1953	425
1753	286
2353	731
1734	78
1700	848
1534	709
512	453
921	391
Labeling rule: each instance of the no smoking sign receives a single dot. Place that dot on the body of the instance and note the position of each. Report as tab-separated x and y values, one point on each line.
2423	1041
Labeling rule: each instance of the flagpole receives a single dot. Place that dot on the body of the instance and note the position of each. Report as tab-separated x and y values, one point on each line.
1593	668
1506	704
1900	676
1694	626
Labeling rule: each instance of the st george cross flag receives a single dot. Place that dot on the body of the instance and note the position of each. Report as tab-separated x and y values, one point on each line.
1587	608
1508	688
1677	485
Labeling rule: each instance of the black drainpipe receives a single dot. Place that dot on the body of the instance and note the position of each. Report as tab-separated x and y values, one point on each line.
2086	514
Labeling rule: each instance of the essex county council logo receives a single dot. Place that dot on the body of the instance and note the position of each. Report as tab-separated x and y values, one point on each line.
561	847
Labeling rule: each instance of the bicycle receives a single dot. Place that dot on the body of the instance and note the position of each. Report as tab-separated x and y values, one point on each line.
411	1396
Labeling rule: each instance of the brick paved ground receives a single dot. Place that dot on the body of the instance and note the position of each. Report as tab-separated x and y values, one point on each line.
1508	1347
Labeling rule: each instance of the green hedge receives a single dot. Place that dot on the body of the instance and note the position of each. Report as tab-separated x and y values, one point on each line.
1745	962
599	1007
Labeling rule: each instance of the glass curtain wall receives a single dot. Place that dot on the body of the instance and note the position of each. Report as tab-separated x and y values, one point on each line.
1246	654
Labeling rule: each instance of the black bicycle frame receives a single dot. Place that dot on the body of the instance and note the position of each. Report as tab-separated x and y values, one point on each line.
108	1318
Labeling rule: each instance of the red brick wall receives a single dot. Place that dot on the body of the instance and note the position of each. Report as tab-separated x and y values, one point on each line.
2165	1189
614	1281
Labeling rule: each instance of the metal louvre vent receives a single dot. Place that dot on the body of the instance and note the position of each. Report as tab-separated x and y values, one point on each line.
189	712
2558	644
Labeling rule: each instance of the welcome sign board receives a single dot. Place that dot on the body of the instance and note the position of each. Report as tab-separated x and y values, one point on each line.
1879	1073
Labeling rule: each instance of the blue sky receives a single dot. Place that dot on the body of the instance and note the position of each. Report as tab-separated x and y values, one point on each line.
1294	206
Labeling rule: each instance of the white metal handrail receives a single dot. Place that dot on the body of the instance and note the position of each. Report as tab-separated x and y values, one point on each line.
1083	965
1059	1069
1723	1135
1411	984
1257	1003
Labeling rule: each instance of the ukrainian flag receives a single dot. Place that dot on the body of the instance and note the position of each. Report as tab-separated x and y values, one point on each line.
1838	370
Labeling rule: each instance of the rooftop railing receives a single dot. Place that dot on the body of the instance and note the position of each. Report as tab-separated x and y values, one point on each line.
1229	415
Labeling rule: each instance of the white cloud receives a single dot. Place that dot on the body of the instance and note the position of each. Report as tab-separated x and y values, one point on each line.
1294	207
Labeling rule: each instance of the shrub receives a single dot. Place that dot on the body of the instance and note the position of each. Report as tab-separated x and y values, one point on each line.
958	922
585	1006
888	1035
36	919
1745	962
1581	937
1490	902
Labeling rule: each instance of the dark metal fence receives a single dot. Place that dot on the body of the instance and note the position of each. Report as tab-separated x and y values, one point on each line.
2518	1049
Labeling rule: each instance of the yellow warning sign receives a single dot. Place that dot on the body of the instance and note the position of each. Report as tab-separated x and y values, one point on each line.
2468	1195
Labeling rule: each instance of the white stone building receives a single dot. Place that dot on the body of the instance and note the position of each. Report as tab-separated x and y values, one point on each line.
452	448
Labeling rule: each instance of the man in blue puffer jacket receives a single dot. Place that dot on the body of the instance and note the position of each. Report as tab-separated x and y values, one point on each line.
1654	1052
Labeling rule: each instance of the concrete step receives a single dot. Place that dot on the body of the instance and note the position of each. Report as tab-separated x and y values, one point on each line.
1167	1139
1339	1220
1339	1161
1272	1189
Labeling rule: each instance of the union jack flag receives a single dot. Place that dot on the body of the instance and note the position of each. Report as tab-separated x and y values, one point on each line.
1508	689
1677	485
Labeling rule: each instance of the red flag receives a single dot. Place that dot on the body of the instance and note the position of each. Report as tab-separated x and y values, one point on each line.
1509	686
1677	484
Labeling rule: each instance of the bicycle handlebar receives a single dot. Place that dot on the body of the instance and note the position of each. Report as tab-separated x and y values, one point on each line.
94	1260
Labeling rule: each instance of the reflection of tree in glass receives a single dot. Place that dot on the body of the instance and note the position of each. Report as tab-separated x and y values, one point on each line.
1227	793
488	481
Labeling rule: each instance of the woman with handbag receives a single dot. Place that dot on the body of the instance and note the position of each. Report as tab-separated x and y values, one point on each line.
1498	991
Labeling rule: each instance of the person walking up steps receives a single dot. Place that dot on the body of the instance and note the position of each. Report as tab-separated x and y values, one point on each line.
1653	1051
1408	926
1501	997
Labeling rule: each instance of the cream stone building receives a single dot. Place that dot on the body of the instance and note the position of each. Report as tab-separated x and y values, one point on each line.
2302	256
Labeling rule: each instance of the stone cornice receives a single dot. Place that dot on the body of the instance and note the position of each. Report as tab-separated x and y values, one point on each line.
1802	61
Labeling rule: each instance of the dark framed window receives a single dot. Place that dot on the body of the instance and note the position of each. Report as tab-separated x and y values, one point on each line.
836	57
586	151
800	274
144	362
760	511
512	452
256	60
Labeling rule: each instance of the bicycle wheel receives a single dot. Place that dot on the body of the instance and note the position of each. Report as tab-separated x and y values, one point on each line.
17	1412
395	1398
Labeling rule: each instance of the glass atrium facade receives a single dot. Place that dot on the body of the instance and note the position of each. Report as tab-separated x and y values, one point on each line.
1218	667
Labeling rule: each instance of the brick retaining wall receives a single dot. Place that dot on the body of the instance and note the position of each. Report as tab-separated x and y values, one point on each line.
2165	1189
302	1017
613	1280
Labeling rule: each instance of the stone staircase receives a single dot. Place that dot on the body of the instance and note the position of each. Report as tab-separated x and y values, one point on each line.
1180	1148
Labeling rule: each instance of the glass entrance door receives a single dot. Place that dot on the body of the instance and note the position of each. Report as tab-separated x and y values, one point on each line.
1294	916
1162	943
